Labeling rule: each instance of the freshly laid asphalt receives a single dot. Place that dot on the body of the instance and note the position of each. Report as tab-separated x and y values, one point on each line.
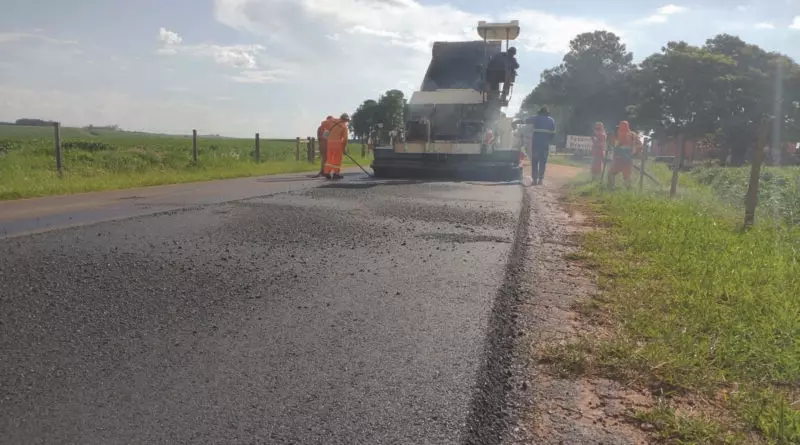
284	312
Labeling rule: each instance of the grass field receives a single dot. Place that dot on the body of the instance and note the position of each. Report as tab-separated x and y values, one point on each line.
105	160
703	313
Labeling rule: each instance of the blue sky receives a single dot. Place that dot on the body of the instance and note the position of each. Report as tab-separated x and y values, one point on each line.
236	67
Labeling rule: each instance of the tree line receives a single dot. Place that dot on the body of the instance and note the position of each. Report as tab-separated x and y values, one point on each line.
720	91
388	110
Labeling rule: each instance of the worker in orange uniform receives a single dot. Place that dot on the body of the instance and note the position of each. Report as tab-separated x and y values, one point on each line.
337	137
598	150
323	145
626	146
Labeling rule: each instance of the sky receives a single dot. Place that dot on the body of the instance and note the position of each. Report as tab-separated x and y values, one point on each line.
278	67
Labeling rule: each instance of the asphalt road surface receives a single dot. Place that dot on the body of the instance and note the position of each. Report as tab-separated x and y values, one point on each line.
253	311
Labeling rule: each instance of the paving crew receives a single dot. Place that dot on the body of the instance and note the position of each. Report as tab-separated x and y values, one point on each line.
544	129
323	143
626	146
598	150
337	136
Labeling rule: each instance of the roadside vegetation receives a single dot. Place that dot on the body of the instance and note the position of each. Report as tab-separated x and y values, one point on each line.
704	314
105	160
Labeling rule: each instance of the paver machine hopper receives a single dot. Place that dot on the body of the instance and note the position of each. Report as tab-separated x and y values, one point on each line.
454	124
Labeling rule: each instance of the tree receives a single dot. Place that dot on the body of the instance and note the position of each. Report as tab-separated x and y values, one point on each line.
389	110
33	122
391	107
592	82
749	94
681	89
365	116
791	103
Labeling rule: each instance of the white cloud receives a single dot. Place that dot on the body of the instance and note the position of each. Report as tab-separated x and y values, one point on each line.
238	56
662	14
169	37
764	25
13	37
671	9
130	112
361	48
404	23
796	23
361	29
261	76
235	56
655	18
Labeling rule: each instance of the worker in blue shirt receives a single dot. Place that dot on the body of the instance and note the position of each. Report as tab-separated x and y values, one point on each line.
544	129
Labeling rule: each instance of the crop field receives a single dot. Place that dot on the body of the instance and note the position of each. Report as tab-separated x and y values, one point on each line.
105	160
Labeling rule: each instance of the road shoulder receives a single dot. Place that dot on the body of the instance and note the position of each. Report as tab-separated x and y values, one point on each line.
556	407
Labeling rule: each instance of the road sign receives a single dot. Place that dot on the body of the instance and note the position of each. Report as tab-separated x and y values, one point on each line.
579	143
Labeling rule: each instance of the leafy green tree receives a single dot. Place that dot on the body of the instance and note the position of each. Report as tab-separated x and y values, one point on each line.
791	103
388	110
391	109
681	89
749	95
365	116
591	83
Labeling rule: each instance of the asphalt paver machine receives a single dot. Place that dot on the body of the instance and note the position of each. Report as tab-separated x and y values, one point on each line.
455	124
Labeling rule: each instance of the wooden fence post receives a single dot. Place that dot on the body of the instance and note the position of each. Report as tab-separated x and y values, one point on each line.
641	171
297	149
311	149
57	142
258	147
751	200
676	168
194	146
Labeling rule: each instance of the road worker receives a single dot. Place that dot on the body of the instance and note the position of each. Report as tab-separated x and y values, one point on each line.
337	137
502	68
323	146
598	150
626	146
544	129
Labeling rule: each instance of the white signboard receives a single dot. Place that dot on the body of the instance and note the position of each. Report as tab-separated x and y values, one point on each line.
579	143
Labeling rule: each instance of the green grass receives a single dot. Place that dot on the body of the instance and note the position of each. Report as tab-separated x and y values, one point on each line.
106	160
779	189
700	307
